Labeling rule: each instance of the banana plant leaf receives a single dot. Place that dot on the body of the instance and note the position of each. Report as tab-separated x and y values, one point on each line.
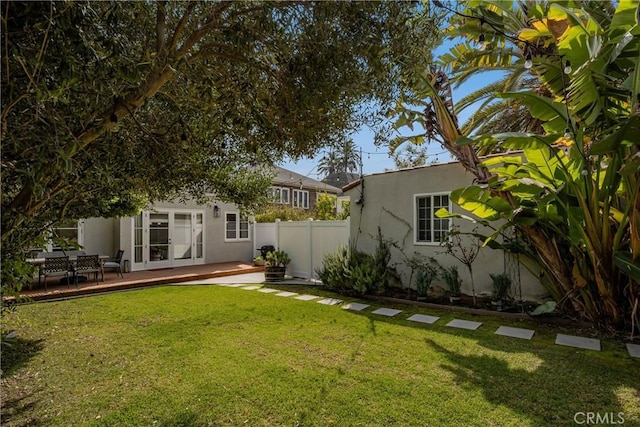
628	265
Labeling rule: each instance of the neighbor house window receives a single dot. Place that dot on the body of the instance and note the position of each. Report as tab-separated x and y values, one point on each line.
280	195
301	199
236	227
428	227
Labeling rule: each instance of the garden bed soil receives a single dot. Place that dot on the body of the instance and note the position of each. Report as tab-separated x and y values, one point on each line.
512	309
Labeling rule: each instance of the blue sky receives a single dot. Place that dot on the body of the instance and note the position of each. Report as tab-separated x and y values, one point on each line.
377	159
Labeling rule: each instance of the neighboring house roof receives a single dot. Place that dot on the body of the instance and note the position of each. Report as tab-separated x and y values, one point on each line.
340	179
292	179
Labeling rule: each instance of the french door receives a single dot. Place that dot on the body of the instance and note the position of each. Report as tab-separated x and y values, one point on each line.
168	238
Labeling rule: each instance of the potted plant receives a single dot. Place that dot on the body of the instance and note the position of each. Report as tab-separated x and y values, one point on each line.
452	279
275	266
424	277
259	261
501	286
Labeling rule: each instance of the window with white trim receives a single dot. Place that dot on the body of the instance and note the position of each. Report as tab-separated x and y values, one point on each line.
280	195
236	228
301	199
71	231
430	229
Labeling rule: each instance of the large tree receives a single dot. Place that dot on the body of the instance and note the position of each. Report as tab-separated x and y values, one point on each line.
574	197
109	105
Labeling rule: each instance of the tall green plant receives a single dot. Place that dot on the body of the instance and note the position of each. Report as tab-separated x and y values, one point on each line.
574	199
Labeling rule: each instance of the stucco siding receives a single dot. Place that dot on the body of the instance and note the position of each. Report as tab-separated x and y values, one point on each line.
389	200
216	249
98	236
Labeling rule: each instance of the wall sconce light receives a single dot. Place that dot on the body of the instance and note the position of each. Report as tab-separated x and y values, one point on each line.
216	211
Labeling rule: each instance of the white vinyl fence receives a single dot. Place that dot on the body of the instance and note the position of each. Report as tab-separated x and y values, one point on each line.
306	242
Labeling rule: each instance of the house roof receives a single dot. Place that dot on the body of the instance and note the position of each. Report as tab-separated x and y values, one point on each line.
289	178
354	184
340	179
388	172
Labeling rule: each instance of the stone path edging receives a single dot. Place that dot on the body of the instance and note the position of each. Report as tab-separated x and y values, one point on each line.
507	331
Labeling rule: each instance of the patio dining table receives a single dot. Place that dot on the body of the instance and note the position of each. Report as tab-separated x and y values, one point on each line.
72	258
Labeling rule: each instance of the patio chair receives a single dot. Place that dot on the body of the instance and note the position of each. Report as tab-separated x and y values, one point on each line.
86	264
114	263
54	266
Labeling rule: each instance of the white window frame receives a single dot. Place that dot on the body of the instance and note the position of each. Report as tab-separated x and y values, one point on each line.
80	233
297	196
432	218
239	221
278	193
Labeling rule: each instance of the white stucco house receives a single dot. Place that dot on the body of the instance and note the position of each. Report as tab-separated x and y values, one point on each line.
403	203
174	234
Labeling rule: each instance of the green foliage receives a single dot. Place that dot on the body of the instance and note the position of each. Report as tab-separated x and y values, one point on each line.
424	277
424	269
346	210
277	259
283	213
336	267
501	286
352	271
109	105
573	200
465	247
452	279
342	157
326	207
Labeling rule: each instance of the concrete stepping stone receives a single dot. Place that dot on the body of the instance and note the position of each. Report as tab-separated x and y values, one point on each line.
423	318
578	342
306	297
633	349
330	301
464	324
268	290
355	306
233	285
389	312
251	288
507	331
286	294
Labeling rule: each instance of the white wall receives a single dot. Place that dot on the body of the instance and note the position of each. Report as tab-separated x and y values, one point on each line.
389	204
98	236
306	242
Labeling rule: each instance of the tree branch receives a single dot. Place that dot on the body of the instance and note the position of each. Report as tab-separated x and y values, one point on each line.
161	27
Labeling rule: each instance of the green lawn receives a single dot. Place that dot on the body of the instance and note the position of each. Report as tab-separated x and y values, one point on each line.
208	355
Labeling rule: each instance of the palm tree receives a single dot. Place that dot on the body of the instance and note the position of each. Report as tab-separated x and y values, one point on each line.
589	246
349	157
329	164
345	158
492	114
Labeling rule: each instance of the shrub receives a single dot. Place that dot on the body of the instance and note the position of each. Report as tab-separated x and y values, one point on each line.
501	286
424	277
277	259
283	213
452	279
352	271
